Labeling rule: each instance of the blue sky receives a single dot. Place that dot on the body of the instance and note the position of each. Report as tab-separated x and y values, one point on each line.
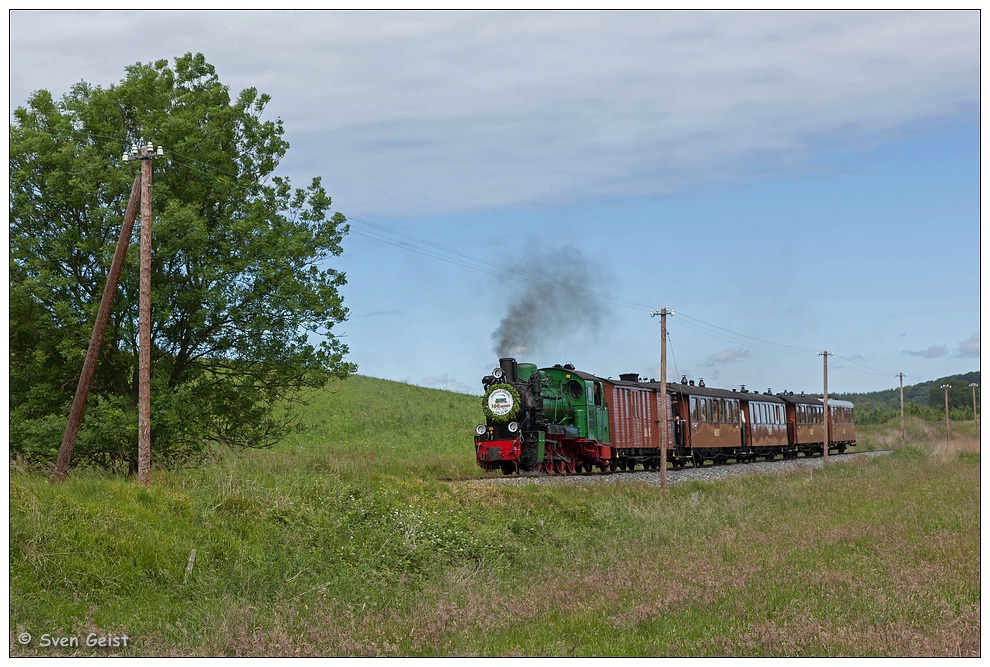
786	182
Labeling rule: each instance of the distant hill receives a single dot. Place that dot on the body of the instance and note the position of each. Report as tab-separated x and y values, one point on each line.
925	399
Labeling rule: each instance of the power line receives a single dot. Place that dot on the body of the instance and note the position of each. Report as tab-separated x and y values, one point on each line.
495	268
408	242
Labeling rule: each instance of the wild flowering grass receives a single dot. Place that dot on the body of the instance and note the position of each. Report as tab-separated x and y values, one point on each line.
349	542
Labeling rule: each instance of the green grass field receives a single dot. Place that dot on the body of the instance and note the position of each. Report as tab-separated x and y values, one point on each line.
348	541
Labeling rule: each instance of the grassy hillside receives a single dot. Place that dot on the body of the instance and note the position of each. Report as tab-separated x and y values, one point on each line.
347	541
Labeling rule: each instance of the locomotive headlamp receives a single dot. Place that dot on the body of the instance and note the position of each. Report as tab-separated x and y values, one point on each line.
513	427
497	373
480	429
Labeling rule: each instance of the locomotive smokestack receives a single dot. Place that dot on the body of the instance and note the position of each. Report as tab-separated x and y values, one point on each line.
510	368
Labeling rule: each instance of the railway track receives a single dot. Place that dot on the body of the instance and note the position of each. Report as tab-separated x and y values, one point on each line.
705	473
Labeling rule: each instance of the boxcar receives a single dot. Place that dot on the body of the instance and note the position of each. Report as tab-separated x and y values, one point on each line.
634	420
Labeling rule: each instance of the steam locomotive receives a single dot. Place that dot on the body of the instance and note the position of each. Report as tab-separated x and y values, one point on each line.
560	420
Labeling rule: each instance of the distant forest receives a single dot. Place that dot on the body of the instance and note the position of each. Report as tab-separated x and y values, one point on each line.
925	399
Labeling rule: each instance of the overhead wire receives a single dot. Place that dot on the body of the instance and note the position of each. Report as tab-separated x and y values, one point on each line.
499	268
434	250
426	248
410	243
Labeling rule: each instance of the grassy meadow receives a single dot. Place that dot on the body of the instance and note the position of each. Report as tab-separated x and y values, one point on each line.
351	540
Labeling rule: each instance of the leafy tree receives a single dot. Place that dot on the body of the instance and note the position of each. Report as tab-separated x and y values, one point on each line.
243	302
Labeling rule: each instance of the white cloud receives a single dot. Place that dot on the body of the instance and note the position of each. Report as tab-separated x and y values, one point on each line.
448	383
413	112
727	356
971	346
929	353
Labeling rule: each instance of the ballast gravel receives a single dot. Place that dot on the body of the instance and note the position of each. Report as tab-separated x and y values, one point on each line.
708	473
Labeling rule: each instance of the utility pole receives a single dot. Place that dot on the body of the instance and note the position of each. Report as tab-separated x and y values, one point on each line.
976	421
824	354
96	340
901	376
663	312
946	388
146	154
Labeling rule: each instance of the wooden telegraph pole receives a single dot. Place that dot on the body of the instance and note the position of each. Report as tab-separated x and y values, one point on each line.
96	340
976	421
945	387
663	312
824	354
144	321
901	376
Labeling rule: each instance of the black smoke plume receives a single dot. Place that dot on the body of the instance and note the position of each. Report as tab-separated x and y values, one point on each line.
559	297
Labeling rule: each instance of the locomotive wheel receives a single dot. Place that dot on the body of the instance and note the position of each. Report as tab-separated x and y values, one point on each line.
508	468
560	467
